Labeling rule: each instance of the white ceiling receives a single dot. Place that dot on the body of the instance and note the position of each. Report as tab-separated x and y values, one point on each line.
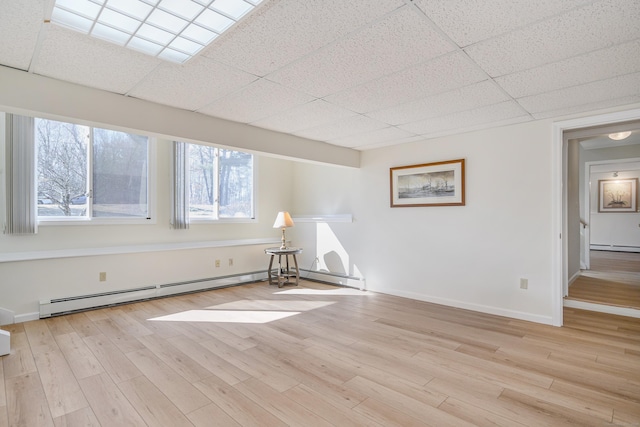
363	73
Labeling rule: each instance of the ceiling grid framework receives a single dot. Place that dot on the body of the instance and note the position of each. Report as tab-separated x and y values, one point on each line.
364	74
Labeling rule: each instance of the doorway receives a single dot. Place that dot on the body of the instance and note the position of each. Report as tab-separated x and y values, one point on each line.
601	244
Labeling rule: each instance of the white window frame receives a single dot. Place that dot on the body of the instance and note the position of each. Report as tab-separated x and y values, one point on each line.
254	187
89	220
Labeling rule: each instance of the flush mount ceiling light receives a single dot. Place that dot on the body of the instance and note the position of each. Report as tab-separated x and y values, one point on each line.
619	135
173	30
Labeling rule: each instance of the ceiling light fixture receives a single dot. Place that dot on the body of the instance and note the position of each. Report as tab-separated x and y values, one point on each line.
619	135
173	30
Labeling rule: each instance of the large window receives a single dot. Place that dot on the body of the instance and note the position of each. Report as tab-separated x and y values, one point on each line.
87	172
220	183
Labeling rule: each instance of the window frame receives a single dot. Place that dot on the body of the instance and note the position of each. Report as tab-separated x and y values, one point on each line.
254	191
151	217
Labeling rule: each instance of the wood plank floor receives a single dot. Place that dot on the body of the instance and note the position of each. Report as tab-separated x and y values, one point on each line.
317	355
614	279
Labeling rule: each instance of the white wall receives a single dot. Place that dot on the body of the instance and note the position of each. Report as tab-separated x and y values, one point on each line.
24	283
471	256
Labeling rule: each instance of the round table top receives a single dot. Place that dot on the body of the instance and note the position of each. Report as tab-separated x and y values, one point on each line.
278	251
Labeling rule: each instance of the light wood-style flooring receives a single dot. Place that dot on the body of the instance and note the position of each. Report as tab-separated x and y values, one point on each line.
317	355
614	279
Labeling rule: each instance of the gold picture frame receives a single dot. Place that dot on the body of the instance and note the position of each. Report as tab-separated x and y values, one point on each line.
428	184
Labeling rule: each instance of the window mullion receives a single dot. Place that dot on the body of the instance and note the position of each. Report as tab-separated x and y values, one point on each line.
89	193
216	185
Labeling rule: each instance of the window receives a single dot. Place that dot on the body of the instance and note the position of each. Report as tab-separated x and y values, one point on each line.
88	173
220	183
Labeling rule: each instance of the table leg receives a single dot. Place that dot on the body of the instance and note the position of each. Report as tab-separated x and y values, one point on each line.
269	270
295	261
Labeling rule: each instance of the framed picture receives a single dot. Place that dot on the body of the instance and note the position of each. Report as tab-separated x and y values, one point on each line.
429	184
618	195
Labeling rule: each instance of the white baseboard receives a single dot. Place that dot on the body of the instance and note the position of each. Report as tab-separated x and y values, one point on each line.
613	248
529	317
26	317
573	278
610	309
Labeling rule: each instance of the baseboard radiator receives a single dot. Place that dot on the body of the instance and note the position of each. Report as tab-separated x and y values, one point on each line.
334	278
73	304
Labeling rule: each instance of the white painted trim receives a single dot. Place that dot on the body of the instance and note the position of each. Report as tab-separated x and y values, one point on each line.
5	343
614	248
118	250
602	308
323	218
26	317
529	317
556	196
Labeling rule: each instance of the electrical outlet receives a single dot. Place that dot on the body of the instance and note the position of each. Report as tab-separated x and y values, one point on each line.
217	263
524	283
230	262
103	276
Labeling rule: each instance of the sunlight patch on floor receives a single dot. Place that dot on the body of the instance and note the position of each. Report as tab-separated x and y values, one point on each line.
284	305
339	291
226	316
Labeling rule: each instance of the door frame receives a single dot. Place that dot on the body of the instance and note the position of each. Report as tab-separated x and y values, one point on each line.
559	250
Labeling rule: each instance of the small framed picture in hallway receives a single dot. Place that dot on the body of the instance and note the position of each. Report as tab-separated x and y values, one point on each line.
618	195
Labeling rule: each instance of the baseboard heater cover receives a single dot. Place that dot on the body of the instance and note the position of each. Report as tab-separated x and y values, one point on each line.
614	248
73	304
334	278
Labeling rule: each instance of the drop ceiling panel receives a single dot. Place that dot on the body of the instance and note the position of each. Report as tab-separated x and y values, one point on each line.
19	26
78	58
466	98
396	42
438	75
306	116
603	90
601	64
193	85
468	22
256	101
466	119
342	128
280	32
599	25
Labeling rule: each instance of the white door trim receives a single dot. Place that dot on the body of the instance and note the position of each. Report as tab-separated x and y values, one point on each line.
558	229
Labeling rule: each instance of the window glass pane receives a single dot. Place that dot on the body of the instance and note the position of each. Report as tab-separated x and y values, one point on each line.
62	168
120	163
201	181
236	184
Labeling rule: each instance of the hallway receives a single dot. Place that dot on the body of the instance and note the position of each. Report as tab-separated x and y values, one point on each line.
614	279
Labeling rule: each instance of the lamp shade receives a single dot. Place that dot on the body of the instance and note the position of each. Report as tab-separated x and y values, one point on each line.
283	220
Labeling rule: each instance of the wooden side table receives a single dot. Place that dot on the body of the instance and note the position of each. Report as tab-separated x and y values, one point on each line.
285	274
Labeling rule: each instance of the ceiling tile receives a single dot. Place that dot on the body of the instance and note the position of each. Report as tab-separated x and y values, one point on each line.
603	90
598	65
438	75
466	119
596	26
379	136
342	128
468	22
466	98
258	100
262	42
81	59
191	86
398	41
305	116
19	27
